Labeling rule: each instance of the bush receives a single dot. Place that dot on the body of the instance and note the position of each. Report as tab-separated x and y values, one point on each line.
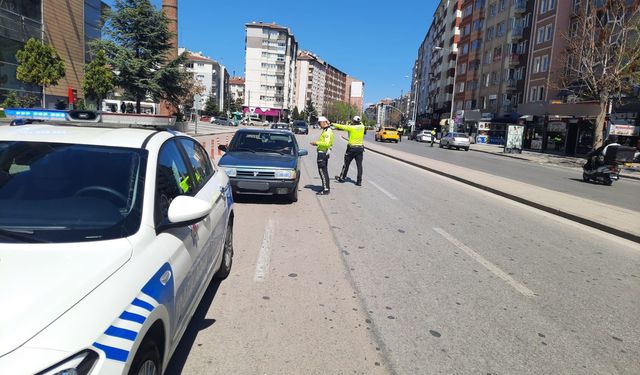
2	115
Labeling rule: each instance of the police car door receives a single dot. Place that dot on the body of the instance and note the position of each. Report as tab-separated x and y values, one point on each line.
207	235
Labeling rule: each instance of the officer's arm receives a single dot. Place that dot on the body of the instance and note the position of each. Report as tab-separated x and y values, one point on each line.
322	143
342	127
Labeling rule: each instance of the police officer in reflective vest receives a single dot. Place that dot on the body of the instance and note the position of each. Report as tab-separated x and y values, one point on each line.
324	145
355	148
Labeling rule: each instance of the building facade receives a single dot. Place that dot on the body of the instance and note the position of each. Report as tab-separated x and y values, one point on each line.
335	85
212	76
354	93
68	26
311	81
236	88
270	70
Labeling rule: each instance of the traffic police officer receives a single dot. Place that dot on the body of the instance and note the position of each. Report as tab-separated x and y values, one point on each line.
324	145
355	148
433	136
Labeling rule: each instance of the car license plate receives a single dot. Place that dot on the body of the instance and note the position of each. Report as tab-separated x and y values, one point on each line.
255	186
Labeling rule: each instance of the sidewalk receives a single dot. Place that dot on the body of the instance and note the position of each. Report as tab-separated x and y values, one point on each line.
614	220
550	159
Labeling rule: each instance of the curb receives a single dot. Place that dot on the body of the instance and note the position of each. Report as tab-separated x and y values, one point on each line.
525	159
551	210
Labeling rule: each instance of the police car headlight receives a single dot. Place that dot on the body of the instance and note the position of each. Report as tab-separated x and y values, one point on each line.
231	172
286	174
80	364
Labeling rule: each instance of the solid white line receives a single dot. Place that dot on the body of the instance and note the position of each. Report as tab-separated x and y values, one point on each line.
383	191
488	265
262	266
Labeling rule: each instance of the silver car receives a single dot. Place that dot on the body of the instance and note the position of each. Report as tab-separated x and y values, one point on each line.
457	140
424	136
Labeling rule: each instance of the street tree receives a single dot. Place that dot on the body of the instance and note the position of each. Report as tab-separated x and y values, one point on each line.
602	58
296	113
13	100
338	111
310	113
40	64
182	97
98	78
236	105
211	107
138	48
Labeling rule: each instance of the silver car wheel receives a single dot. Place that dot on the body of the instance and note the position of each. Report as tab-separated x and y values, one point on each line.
148	368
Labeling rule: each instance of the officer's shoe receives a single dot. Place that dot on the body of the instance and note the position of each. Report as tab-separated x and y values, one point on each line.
359	183
323	192
339	179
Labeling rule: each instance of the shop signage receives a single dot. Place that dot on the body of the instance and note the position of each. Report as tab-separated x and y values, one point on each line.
483	126
625	130
559	127
515	135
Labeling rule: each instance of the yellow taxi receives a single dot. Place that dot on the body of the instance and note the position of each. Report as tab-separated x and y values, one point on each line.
387	134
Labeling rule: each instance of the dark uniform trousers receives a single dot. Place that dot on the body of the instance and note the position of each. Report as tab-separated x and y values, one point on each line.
323	168
353	152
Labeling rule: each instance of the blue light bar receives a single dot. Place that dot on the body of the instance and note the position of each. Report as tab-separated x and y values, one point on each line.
36	114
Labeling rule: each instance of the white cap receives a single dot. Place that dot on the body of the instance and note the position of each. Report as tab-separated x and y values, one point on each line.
356	118
322	119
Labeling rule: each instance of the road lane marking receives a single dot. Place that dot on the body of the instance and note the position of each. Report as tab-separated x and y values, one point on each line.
488	265
391	196
262	266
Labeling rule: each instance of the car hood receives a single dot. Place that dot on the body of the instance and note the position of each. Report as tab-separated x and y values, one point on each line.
257	160
40	282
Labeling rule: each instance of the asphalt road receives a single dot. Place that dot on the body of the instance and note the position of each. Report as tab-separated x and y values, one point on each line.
413	273
623	193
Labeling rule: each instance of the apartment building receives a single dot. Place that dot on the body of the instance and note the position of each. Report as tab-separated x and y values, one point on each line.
335	86
311	81
270	70
213	76
69	26
354	93
236	88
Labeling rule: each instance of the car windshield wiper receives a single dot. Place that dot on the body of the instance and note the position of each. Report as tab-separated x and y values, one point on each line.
274	151
24	235
244	149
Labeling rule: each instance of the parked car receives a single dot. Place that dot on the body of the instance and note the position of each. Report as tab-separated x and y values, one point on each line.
424	136
300	127
457	140
387	134
263	162
109	238
281	126
223	121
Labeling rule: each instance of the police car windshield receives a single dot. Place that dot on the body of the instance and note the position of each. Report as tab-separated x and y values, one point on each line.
263	142
52	192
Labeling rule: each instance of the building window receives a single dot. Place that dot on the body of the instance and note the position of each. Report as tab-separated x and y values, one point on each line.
466	12
536	65
533	95
500	28
549	33
545	63
462	68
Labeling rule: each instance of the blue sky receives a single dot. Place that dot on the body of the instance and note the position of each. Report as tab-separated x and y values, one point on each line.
371	41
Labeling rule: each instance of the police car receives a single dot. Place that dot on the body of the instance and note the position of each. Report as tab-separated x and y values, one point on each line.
109	237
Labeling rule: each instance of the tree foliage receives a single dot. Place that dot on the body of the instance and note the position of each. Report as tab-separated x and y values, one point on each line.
340	111
13	100
39	64
98	78
310	113
602	58
236	105
211	107
138	49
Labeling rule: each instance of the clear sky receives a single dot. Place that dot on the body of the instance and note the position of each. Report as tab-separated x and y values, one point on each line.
370	40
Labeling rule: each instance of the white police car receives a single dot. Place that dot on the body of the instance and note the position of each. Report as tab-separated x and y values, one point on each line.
109	238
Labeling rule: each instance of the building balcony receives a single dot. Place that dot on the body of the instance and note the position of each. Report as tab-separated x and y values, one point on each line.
517	33
513	59
519	6
511	84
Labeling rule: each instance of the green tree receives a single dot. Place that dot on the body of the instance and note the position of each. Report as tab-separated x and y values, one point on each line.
40	64
138	48
310	113
236	105
211	107
296	114
98	78
341	112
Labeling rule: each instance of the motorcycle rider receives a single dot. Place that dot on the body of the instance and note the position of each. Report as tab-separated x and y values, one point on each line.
593	156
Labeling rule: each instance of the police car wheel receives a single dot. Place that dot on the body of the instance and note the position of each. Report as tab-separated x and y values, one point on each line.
227	255
293	196
147	360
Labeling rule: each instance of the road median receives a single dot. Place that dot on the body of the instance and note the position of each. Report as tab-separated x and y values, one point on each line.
611	219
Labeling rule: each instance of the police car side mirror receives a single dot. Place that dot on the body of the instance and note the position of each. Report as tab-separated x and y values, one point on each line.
222	148
185	210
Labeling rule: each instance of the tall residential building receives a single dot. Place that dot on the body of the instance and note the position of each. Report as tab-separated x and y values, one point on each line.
311	81
55	21
335	86
213	76
236	88
270	71
354	93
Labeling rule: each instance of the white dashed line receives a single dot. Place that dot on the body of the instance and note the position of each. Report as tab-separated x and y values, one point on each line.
391	196
488	265
262	266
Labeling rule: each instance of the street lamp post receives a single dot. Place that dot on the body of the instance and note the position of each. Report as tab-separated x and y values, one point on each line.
455	74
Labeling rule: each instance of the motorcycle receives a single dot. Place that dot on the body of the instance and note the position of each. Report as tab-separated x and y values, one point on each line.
605	169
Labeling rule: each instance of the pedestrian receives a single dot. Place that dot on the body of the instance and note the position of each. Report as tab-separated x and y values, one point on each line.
123	107
355	148
433	136
323	147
